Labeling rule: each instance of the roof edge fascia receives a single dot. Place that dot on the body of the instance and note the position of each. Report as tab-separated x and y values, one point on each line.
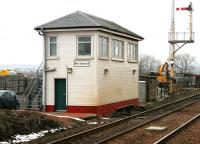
91	29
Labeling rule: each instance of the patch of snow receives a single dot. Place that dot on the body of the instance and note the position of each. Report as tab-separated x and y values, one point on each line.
45	131
54	130
70	127
105	118
92	123
78	119
26	138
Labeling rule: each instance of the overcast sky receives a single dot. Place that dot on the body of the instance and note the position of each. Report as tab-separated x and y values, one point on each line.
20	44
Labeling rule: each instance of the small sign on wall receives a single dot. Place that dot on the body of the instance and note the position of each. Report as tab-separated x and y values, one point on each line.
81	63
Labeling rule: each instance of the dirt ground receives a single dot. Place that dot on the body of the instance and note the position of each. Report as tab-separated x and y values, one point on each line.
24	122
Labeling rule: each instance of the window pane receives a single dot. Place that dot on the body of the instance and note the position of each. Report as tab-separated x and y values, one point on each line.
120	44
53	49
100	39
84	45
105	40
100	49
131	51
136	52
113	49
105	50
131	54
116	52
103	46
84	49
121	49
113	43
52	46
84	39
121	52
53	39
118	49
100	46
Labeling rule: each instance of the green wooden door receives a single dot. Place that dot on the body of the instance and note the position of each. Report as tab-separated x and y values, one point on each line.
60	94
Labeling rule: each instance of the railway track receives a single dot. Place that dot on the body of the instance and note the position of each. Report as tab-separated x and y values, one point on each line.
112	130
167	137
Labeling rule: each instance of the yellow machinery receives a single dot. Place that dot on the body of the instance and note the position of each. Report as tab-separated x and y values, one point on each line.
163	74
164	77
6	72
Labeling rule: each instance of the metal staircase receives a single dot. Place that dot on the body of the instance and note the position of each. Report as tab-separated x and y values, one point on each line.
33	92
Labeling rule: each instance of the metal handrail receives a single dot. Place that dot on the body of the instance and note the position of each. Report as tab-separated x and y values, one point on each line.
182	36
32	83
31	89
36	74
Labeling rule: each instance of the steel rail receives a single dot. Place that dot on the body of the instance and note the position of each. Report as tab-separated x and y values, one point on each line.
145	123
174	132
112	124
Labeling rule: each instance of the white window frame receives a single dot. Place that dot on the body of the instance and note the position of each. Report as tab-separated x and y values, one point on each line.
101	49
48	47
77	48
119	49
134	55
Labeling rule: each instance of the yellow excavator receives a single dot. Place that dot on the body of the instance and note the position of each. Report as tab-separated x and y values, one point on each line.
163	75
6	72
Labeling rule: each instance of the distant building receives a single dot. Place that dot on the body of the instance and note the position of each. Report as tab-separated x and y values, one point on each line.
91	65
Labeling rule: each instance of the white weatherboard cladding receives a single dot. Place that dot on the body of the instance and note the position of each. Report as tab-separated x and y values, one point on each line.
89	86
119	84
81	82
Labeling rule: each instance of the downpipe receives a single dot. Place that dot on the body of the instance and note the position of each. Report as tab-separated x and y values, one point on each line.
42	33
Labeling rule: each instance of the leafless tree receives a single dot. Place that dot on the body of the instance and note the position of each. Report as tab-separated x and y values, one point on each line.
147	64
184	63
